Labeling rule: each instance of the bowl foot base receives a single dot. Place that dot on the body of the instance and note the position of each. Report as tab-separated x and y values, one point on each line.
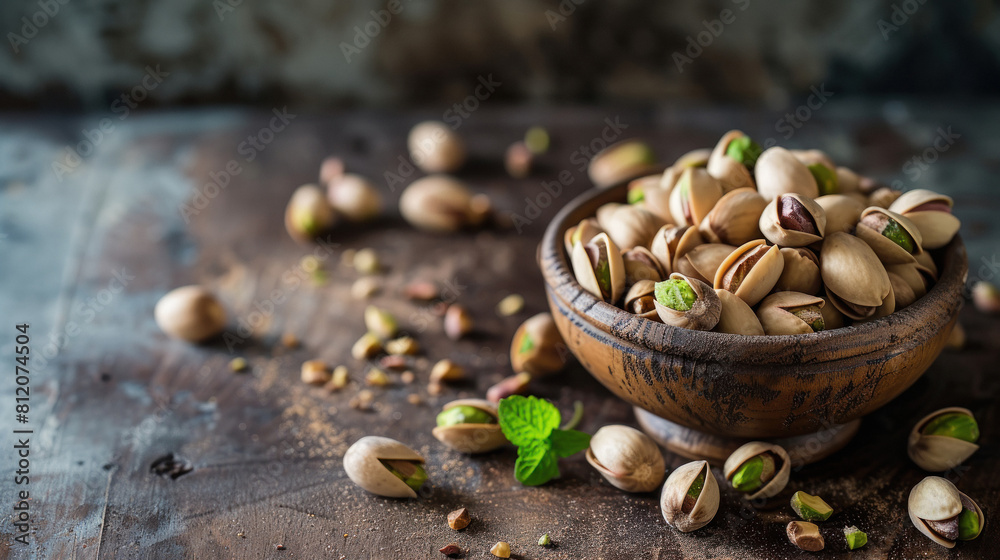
693	444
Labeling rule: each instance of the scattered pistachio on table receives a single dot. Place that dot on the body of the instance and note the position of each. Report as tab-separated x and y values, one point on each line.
510	305
366	347
338	379
810	508
501	550
805	535
364	288
363	400
421	291
459	519
856	538
450	550
943	439
986	297
190	313
942	513
438	203
537	347
537	140
446	371
514	385
620	161
238	365
758	469
469	426
385	467
380	323
308	213
435	147
545	540
402	346
407	377
627	458
393	361
457	321
366	261
330	169
690	497
377	378
354	197
517	160
315	372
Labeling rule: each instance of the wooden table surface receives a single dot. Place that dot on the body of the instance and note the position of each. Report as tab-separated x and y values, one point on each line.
84	256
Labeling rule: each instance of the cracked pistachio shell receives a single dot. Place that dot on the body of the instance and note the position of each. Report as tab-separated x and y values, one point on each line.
671	242
937	453
887	250
654	198
695	158
801	271
730	173
778	171
915	276
639	300
847	180
855	280
842	212
621	161
737	317
627	458
472	438
629	226
640	264
675	489
770	222
361	462
582	232
537	347
936	499
758	280
308	213
937	225
810	157
703	261
750	450
776	318
901	291
668	180
704	313
735	218
832	317
694	196
587	277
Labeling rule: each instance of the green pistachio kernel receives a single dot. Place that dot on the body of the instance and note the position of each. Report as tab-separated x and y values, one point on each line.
826	178
691	498
537	140
744	150
636	195
810	315
856	538
968	525
953	424
544	540
413	474
898	235
747	477
675	294
527	344
464	415
811	508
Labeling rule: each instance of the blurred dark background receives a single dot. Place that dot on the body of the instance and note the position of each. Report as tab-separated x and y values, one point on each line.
80	55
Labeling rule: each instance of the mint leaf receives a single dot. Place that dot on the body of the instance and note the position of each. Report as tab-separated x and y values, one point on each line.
527	419
536	463
568	442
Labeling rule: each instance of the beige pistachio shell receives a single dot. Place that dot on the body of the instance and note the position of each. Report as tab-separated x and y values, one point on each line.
472	438
675	489
190	313
704	313
640	264
582	232
621	161
811	157
669	179
703	261
737	317
308	213
355	197
847	180
776	318
832	317
437	203
605	211
694	196
586	276
778	171
936	227
936	499
361	462
855	280
842	212
435	147
918	197
938	453
730	173
630	226
801	271
926	265
734	219
901	290
770	222
671	242
750	450
916	277
760	278
654	198
695	158
639	300
627	458
883	197
888	251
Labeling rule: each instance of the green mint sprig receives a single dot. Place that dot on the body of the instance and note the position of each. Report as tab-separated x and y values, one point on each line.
532	424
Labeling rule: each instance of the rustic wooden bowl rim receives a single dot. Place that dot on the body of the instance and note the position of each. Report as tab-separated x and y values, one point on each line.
917	320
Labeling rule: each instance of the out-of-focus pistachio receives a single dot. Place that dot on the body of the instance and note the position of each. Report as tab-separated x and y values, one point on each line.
435	147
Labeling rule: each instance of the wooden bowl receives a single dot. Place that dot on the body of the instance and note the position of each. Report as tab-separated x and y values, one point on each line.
747	386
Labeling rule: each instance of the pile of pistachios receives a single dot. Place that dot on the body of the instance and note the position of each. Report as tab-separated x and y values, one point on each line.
748	241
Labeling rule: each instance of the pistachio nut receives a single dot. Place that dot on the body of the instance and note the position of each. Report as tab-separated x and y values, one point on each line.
832	317
883	197
793	220
758	469
893	237
986	297
686	302
332	167
926	265
435	148
385	467
671	242
847	180
458	321
640	264
640	298
887	307
469	426
943	513
190	313
801	271
814	157
629	225
931	213
518	160
810	508
735	218
694	196
737	317
778	171
647	193
901	291
703	261
805	535
308	213
599	268
690	497
537	347
627	458
380	322
501	550
583	232
856	282
750	271
791	313
439	203
943	439
842	212
856	538
621	161
732	159
917	278
355	197
695	158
